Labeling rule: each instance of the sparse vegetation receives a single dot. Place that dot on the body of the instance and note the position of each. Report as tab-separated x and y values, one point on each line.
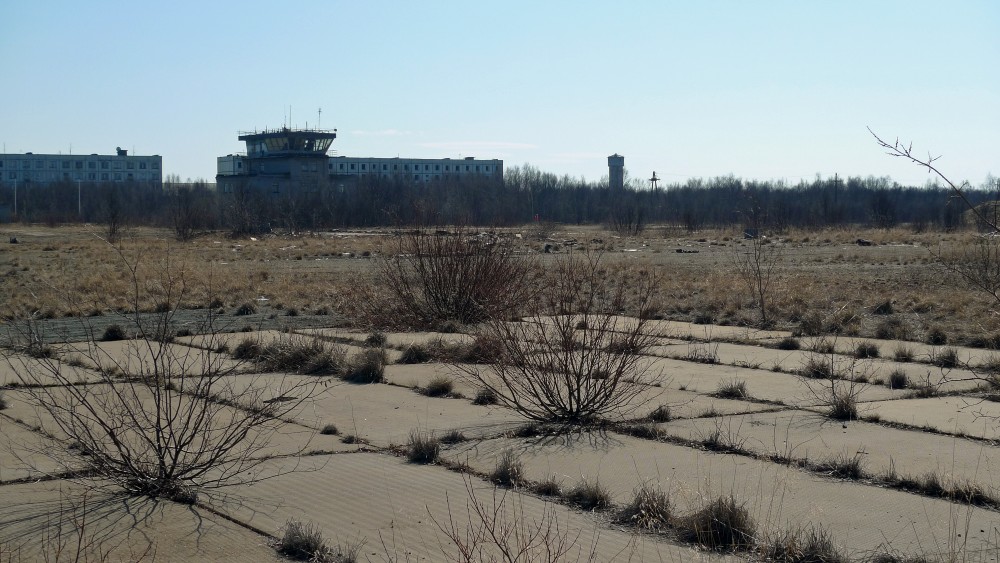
509	471
903	353
946	358
865	350
113	332
650	509
303	542
732	389
329	430
422	448
660	414
789	343
588	495
439	386
898	379
722	524
368	366
485	397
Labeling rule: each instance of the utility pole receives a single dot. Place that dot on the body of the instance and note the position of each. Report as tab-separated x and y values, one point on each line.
79	202
15	197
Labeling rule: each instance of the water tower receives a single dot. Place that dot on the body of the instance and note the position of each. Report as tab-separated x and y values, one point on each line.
616	171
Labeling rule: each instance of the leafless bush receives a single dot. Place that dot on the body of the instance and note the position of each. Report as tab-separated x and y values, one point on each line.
455	276
547	370
500	529
161	420
756	265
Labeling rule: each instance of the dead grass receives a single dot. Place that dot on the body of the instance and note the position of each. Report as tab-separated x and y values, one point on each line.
314	272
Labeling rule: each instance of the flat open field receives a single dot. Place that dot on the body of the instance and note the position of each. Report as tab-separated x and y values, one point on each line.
915	473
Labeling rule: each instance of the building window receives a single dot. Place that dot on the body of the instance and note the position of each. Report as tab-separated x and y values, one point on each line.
118	166
363	166
26	164
395	167
118	176
142	166
12	175
353	166
274	187
79	165
130	177
156	165
416	176
437	167
104	176
487	168
406	167
65	165
39	164
477	168
341	165
130	165
91	165
52	165
104	165
446	168
91	176
385	167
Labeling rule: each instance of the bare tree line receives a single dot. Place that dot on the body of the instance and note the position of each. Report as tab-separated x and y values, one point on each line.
526	194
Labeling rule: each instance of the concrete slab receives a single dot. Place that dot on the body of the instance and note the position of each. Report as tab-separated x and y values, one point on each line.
396	508
800	434
393	339
135	357
771	386
962	415
419	375
757	357
779	497
922	352
276	438
43	521
24	454
384	415
18	369
689	404
710	332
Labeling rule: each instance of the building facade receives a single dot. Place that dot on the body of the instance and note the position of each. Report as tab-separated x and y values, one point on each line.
41	169
277	161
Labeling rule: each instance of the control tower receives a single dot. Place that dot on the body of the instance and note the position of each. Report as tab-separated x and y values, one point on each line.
616	171
278	161
285	142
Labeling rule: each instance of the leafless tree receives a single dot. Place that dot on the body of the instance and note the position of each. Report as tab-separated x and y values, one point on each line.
153	418
575	360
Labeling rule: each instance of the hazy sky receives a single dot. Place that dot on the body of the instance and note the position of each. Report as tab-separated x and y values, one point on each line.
688	89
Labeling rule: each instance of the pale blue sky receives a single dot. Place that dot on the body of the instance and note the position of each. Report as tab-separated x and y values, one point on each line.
689	89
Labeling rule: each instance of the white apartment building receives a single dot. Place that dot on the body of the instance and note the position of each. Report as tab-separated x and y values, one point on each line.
93	168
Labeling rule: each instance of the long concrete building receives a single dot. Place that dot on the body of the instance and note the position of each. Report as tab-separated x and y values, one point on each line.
41	169
280	160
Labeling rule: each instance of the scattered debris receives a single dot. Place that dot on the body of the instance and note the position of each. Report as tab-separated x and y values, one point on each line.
863	242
